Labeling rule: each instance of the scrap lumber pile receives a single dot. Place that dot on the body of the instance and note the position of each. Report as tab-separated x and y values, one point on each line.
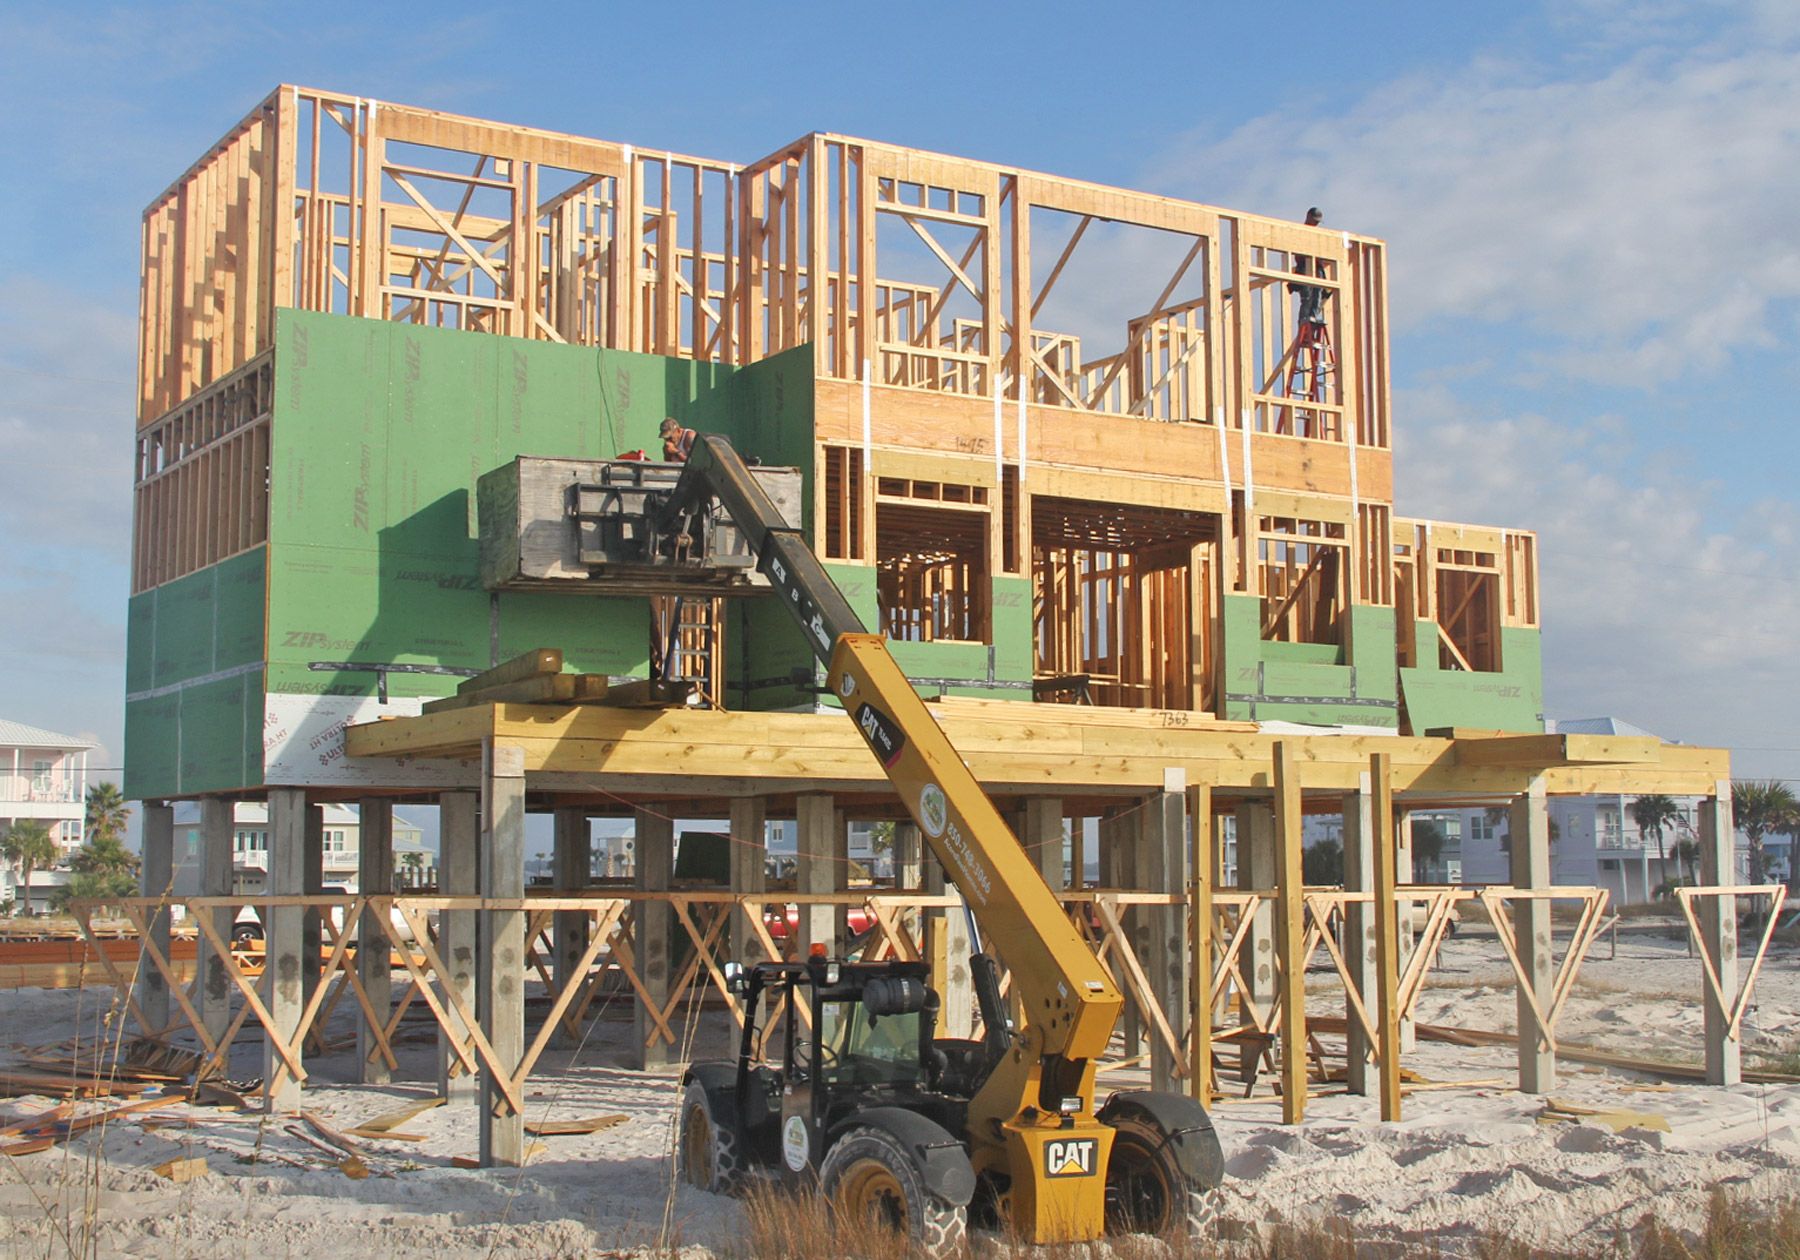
537	678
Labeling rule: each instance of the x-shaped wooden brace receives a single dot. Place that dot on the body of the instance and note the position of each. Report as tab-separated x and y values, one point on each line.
582	987
895	941
1319	907
1587	927
502	1072
1231	960
1734	1007
125	986
287	1049
576	984
703	953
1139	983
1438	905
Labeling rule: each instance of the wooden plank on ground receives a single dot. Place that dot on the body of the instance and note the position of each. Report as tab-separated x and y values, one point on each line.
567	1128
390	1120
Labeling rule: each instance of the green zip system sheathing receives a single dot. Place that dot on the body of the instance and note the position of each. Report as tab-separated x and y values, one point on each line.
379	432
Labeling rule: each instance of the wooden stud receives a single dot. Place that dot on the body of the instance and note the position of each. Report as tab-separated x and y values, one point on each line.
1289	932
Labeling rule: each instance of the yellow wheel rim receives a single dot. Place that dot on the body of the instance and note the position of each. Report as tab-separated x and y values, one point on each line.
870	1193
696	1147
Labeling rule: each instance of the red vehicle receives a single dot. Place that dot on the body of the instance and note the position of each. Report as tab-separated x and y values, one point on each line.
783	922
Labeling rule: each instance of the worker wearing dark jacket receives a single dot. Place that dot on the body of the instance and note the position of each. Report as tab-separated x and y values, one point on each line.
1312	296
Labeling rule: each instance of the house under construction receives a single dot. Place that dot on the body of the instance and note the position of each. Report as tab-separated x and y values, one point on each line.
1112	471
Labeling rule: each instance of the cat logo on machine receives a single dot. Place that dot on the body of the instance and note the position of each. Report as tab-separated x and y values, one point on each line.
883	736
1070	1157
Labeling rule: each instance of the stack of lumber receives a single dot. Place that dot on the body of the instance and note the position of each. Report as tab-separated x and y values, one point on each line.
537	678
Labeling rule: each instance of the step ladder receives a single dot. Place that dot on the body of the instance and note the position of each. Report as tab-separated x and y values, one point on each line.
1312	376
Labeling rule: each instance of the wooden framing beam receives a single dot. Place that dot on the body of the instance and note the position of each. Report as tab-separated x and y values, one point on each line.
1290	930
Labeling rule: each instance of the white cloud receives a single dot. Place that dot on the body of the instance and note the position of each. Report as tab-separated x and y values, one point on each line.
1643	213
1650	614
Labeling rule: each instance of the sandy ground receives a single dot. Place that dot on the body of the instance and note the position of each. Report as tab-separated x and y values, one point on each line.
1464	1163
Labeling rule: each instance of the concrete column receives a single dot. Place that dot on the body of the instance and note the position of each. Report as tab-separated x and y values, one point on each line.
217	817
571	859
374	952
1256	869
155	874
1041	832
1165	858
749	869
840	866
1718	930
312	924
459	875
655	872
1530	830
500	948
947	950
284	984
1118	840
816	870
1359	927
909	871
1406	918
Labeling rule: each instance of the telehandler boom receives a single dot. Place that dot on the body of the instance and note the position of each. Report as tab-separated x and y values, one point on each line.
904	1126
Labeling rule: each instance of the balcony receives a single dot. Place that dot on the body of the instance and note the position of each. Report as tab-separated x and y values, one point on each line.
40	796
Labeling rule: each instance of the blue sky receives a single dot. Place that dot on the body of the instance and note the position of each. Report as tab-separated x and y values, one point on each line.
1592	207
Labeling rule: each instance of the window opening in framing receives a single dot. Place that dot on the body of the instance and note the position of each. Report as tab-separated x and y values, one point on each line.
1009	518
1468	603
843	503
1302	570
1123	603
1407	608
932	574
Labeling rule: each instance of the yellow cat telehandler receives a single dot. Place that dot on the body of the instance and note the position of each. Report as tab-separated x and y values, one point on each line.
897	1125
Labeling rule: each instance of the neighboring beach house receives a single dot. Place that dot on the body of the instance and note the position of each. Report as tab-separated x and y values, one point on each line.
43	778
342	833
1594	840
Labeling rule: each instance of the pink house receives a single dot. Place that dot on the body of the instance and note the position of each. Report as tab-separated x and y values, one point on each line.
43	775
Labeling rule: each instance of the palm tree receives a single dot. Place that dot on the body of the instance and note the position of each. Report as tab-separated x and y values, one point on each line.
414	864
104	855
28	845
1687	856
107	812
1760	807
1652	814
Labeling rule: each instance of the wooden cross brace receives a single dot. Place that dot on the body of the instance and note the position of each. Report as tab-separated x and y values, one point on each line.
1587	927
1734	1007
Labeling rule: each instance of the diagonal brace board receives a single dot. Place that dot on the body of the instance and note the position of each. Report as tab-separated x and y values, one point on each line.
1735	1007
1587	927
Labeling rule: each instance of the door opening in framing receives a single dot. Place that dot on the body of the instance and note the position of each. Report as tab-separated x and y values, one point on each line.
1124	600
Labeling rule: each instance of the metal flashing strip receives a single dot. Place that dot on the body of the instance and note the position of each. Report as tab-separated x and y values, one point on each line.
201	680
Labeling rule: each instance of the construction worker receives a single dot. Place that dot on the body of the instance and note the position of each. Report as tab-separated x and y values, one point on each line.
1312	297
677	441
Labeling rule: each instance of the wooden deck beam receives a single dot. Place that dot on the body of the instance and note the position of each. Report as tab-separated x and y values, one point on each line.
707	753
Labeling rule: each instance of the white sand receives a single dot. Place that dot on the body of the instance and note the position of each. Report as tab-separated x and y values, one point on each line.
1463	1163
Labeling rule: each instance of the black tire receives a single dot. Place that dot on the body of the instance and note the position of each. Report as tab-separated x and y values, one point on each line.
872	1183
1146	1190
243	933
708	1155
